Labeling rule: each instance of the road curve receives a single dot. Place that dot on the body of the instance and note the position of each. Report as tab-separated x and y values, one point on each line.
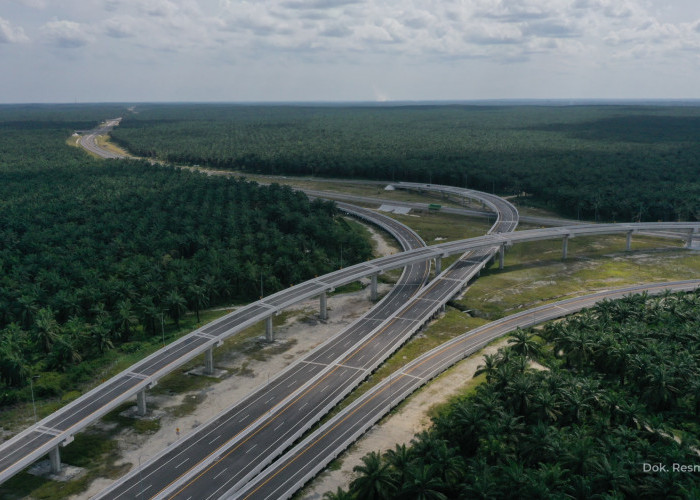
89	140
240	456
60	426
296	467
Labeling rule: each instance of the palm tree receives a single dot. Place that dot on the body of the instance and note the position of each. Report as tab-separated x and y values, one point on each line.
101	336
580	452
197	298
523	344
13	366
399	459
340	494
546	405
150	313
423	482
520	394
491	362
662	389
126	318
376	480
45	329
176	306
481	483
28	306
64	352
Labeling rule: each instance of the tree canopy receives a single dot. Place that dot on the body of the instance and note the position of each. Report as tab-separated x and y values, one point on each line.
619	390
93	253
619	163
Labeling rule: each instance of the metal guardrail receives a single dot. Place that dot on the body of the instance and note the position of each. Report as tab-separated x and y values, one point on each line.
259	310
522	319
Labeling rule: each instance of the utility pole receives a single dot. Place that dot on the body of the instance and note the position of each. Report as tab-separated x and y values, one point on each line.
31	387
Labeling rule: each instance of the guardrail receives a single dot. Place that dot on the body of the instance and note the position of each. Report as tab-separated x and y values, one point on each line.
446	355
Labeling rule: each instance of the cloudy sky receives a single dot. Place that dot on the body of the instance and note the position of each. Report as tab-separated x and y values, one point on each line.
347	50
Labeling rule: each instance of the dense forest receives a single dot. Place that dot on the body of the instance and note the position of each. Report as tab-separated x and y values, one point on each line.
96	253
611	163
618	388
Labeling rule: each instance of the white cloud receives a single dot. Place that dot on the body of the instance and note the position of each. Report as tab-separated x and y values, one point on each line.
35	4
66	34
11	34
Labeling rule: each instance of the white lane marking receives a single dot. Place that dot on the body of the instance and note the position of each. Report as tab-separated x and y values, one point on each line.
280	425
244	417
292	383
225	469
251	448
185	460
144	490
217	437
315	363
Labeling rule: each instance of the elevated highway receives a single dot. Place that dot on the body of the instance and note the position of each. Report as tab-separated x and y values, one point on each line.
60	427
238	443
296	467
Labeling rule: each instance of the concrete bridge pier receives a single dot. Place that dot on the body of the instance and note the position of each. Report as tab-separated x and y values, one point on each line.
55	460
689	240
269	332
323	312
565	247
209	361
502	256
438	265
628	246
141	402
373	295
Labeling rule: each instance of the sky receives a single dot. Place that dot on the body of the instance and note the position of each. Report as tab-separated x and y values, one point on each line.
347	50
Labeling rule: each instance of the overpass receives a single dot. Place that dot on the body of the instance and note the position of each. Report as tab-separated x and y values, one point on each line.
52	431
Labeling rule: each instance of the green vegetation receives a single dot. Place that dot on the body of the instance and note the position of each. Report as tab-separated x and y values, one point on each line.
619	389
94	450
595	162
100	259
534	273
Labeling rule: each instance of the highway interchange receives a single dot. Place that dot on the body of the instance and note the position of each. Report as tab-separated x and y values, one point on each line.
291	471
236	445
247	436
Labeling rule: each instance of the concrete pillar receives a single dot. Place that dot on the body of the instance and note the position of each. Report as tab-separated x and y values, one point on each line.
141	402
55	460
628	246
689	241
269	332
438	265
502	256
565	248
323	306
373	289
209	361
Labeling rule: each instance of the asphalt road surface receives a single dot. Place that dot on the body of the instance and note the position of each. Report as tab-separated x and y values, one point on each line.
32	443
291	471
229	450
89	140
246	414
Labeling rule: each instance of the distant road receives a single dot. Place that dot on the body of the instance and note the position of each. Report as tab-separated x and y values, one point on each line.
89	140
